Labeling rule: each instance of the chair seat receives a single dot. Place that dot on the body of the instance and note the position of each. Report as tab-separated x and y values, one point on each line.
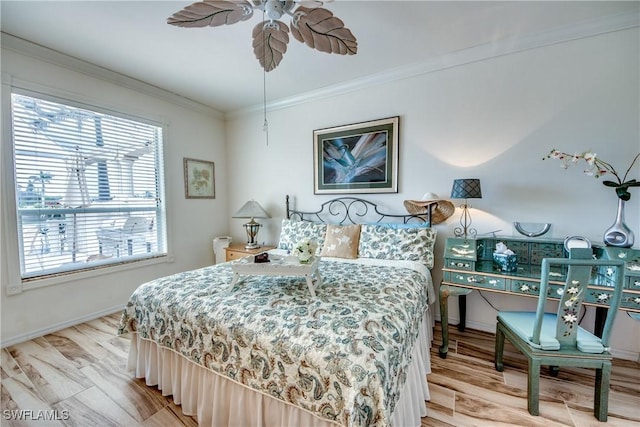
521	323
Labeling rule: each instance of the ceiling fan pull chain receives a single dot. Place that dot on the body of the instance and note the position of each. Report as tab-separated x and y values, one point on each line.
265	125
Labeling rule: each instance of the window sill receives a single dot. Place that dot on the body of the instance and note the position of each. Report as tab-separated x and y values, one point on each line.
89	273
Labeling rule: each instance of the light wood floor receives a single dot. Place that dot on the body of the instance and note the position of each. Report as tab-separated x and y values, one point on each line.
78	376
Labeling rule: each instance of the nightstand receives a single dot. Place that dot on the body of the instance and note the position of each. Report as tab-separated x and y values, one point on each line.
237	250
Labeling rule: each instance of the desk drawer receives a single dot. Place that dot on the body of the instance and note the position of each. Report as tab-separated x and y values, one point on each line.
555	291
479	280
630	300
525	287
632	283
541	250
459	264
601	297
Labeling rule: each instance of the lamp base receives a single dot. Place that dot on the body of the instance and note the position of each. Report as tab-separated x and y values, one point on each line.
252	228
465	229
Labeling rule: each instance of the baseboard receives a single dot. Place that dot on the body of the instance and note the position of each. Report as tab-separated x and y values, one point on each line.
59	326
618	354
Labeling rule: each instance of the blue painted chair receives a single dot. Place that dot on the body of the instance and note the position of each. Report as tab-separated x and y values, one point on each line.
556	340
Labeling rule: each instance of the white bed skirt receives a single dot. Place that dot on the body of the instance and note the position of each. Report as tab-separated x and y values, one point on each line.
215	400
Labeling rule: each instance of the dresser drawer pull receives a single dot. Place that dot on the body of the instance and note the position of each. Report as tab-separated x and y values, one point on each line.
459	264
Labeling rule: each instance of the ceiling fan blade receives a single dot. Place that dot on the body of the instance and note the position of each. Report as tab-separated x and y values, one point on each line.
320	30
212	13
270	43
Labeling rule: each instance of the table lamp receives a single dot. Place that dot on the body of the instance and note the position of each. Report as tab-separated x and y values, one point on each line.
465	189
251	209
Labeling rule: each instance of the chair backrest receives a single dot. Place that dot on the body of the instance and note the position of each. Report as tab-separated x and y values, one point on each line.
578	269
135	224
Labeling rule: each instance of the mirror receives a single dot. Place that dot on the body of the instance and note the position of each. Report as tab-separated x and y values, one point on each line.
576	242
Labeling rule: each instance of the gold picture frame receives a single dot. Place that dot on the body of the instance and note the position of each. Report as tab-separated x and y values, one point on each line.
199	179
357	158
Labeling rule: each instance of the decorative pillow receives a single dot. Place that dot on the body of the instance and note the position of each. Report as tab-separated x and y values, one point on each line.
413	244
341	241
293	232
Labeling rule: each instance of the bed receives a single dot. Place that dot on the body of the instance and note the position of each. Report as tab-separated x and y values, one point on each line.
266	353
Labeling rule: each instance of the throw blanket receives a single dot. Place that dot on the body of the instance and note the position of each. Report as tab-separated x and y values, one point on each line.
342	355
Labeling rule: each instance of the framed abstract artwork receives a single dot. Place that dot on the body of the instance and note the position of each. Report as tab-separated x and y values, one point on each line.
357	158
199	179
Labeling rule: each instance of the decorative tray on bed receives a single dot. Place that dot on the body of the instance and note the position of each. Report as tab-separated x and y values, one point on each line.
278	266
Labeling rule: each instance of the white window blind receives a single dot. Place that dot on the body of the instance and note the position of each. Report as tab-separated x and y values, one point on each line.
88	188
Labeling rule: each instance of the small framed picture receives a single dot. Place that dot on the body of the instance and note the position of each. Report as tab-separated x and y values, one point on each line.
199	179
357	158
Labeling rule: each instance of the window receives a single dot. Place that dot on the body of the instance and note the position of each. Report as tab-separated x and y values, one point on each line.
89	188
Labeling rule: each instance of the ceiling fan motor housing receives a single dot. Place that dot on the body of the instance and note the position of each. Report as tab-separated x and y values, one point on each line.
274	9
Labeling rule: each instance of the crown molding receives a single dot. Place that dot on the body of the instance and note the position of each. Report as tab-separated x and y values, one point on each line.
25	47
470	55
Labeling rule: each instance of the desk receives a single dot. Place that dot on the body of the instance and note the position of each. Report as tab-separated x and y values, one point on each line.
468	265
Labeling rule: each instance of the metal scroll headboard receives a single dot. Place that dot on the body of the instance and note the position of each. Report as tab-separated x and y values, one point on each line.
353	210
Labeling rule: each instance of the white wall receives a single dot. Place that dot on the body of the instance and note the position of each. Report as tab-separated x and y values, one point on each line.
195	133
493	119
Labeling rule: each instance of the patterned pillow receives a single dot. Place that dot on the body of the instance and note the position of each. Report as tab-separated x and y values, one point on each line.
413	244
341	241
293	232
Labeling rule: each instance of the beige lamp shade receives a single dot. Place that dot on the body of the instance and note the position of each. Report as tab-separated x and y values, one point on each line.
251	209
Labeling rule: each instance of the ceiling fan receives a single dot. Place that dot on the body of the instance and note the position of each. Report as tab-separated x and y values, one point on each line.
310	24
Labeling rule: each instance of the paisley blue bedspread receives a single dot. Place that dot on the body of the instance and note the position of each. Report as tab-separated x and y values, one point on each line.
342	355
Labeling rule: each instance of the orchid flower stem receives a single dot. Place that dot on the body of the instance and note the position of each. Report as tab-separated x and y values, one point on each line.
635	159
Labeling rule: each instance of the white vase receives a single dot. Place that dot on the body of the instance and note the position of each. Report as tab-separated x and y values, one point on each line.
619	234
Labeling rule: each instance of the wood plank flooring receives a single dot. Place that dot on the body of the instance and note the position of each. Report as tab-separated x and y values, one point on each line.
77	377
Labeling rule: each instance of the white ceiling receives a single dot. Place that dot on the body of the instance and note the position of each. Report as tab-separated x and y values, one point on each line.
217	67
